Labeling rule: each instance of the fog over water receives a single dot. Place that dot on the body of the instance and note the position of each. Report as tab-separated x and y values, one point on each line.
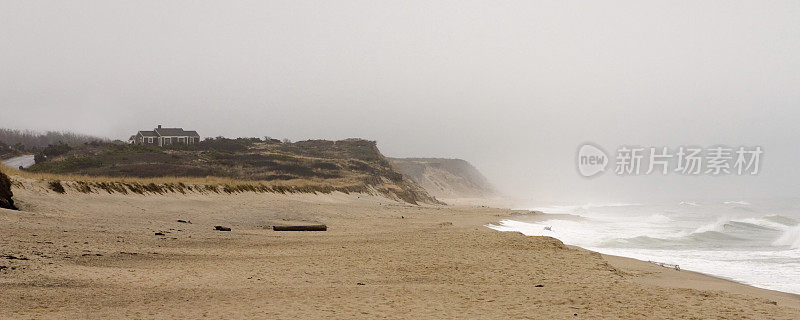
513	87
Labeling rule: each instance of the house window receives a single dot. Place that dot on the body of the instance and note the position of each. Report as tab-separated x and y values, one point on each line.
181	140
150	140
167	140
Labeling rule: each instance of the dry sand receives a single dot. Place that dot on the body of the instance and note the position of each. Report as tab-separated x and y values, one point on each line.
97	255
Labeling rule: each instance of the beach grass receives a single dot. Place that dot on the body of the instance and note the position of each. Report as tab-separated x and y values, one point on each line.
59	183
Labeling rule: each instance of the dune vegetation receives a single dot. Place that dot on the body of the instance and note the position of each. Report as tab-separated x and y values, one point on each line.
227	166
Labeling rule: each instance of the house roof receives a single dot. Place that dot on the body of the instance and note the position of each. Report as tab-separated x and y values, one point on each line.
148	133
172	132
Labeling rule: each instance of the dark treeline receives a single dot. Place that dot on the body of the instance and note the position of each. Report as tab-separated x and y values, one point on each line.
32	141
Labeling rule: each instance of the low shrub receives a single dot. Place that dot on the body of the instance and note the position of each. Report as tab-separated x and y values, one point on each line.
56	186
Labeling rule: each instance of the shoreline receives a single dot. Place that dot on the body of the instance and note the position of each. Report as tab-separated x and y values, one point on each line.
572	217
683	278
97	255
688	279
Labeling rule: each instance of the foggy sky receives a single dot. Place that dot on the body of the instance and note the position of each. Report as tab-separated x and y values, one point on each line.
513	87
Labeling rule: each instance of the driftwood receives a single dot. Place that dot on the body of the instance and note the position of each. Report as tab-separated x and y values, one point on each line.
313	227
666	265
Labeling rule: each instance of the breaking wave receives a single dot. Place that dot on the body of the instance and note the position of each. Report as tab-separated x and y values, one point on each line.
723	240
790	237
743	203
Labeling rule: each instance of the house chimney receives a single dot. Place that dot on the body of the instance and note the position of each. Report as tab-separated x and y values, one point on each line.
159	126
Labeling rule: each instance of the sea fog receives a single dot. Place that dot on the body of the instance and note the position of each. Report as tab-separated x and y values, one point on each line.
752	242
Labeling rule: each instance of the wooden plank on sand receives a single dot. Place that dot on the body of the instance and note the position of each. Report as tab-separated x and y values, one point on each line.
313	227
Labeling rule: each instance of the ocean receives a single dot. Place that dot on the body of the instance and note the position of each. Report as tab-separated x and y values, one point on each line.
756	243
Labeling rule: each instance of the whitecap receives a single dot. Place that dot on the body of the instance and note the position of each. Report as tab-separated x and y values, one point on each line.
790	238
740	202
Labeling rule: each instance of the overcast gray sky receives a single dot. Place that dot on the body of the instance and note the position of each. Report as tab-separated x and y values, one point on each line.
513	87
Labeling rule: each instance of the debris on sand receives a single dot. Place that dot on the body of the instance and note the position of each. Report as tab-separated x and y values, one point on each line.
159	233
313	227
184	221
666	265
12	257
221	228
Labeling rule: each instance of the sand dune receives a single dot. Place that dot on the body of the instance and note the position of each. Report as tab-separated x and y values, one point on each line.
446	178
97	255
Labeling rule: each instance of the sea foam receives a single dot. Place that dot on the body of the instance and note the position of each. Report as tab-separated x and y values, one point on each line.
790	237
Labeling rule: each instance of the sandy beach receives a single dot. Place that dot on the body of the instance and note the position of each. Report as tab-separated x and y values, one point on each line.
98	256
